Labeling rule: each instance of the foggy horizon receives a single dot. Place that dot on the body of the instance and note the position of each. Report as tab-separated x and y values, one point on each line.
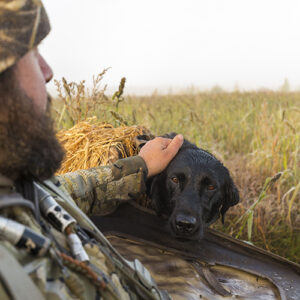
174	45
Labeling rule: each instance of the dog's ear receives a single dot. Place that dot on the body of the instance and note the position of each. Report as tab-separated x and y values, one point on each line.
155	191
141	140
231	196
170	135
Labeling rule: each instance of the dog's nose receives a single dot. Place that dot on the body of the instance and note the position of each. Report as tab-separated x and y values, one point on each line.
185	224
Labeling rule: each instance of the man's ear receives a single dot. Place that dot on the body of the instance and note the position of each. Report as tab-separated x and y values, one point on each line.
155	191
231	196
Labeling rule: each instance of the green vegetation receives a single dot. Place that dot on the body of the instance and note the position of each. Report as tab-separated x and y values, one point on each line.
255	134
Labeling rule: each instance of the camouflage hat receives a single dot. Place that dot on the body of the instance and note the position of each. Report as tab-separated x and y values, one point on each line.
23	25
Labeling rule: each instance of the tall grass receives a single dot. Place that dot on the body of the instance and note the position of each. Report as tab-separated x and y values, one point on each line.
255	134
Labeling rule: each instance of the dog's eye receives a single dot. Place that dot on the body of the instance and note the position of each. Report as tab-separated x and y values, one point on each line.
175	179
210	187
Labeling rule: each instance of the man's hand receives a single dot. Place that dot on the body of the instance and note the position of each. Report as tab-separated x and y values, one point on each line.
159	152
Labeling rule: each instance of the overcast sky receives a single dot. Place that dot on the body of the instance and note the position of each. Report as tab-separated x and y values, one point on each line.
176	43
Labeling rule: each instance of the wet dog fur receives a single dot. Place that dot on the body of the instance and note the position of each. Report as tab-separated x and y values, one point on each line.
193	191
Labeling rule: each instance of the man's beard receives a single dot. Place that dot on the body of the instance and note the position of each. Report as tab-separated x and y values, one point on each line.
29	148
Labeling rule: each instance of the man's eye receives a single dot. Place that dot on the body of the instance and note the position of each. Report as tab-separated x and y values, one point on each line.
210	187
175	179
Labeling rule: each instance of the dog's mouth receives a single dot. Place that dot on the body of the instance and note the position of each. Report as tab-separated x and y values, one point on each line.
196	236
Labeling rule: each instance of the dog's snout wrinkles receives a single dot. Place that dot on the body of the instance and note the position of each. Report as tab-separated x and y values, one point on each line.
185	224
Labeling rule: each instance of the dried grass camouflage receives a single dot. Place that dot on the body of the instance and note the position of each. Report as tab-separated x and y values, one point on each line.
23	25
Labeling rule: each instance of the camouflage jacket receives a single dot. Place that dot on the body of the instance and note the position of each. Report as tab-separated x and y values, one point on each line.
98	191
95	191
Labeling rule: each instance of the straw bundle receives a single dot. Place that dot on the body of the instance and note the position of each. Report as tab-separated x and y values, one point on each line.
90	144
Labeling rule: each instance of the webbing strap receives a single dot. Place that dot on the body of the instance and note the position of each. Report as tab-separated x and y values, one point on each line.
14	199
15	279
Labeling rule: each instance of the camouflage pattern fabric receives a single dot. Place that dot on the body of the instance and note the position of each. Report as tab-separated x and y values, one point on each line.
121	181
98	191
23	25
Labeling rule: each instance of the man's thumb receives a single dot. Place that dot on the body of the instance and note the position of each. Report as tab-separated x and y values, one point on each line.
175	145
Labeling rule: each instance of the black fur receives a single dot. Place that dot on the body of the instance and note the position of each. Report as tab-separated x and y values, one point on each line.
204	191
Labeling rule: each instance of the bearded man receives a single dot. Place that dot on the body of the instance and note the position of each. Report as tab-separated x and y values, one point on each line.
48	246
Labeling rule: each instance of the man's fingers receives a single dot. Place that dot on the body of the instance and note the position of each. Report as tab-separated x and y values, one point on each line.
159	152
174	145
166	143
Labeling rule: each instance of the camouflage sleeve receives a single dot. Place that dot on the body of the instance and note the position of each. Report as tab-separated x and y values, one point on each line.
98	191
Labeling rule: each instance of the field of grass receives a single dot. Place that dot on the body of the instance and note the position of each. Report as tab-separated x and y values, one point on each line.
256	135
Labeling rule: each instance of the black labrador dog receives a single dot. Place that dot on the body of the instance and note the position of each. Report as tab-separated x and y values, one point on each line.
193	191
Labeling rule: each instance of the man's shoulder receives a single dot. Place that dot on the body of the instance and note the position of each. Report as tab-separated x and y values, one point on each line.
62	197
56	189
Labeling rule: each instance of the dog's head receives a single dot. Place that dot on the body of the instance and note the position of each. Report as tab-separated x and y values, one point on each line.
193	191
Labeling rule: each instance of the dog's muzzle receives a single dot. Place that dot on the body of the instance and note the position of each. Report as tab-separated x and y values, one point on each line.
185	224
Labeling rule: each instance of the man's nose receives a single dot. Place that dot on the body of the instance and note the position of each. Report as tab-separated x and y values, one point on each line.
45	68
